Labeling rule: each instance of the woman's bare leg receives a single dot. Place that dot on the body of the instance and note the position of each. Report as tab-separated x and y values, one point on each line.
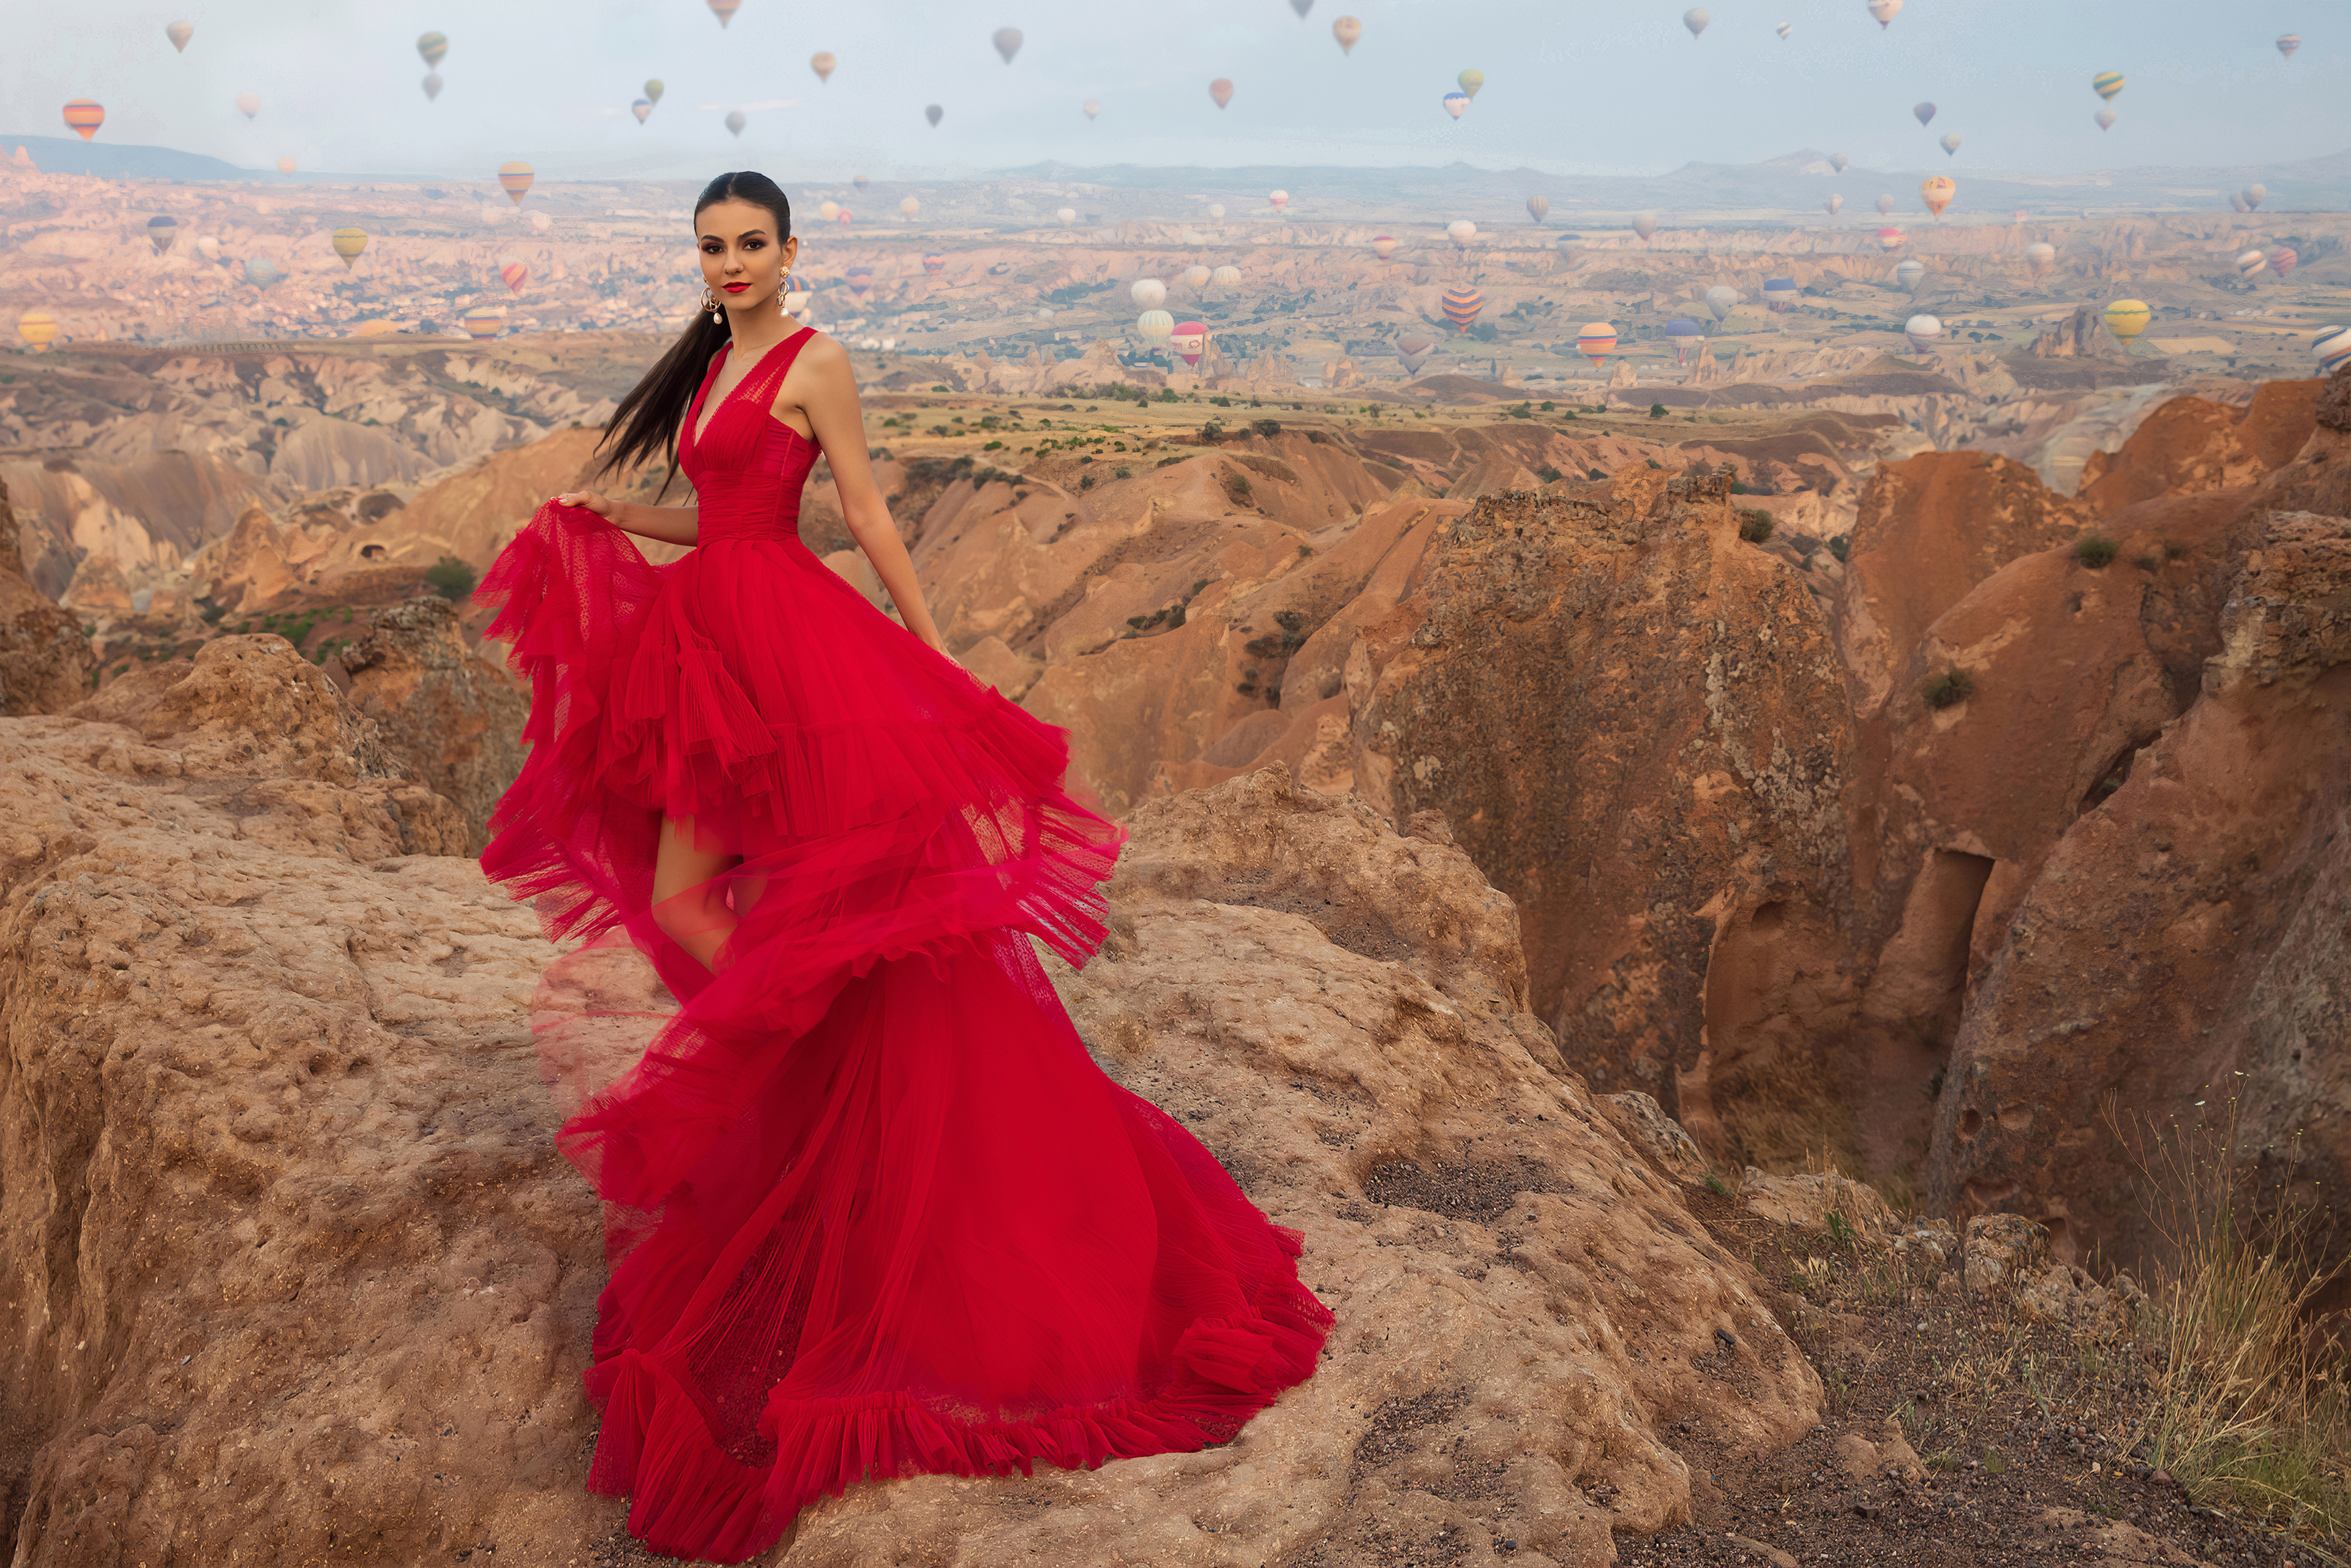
689	903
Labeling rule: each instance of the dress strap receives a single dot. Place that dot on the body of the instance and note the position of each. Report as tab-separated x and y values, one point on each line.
767	377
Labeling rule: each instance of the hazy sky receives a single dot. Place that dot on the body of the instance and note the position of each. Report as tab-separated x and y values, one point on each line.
1571	86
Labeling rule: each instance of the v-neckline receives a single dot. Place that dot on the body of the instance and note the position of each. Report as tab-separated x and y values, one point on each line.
707	416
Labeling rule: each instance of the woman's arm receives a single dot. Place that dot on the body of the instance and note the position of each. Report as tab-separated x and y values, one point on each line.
673	525
828	395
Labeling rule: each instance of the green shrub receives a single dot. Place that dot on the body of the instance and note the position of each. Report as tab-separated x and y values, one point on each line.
2147	561
1657	410
2096	551
1222	402
1266	426
1754	525
450	578
1953	686
1839	545
2173	549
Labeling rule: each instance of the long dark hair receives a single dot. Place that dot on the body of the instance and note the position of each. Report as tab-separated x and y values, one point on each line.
646	420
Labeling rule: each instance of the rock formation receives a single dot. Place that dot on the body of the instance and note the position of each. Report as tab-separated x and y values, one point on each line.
45	659
451	715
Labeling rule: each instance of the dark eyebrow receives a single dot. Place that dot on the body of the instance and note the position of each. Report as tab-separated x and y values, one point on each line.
747	234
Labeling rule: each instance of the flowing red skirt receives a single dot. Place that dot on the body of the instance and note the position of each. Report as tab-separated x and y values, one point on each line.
872	1208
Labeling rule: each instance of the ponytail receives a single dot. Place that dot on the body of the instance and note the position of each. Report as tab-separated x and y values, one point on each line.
647	418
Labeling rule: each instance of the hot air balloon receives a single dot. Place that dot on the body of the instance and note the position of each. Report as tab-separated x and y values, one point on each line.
1910	274
1280	199
1225	277
1778	293
1384	245
844	217
1301	7
1148	292
2331	344
1461	304
725	10
1838	161
1456	104
1885	11
160	232
1722	299
1937	193
208	247
653	90
735	122
2105	84
37	328
1681	334
823	62
1008	43
2042	256
514	274
434	48
2127	318
1889	239
1067	215
828	211
1221	89
1951	143
933	113
85	115
249	103
934	264
1925	112
2251	263
542	221
1216	209
349	243
1596	341
2254	195
1155	324
285	166
1414	351
432	86
180	33
2284	261
1783	29
642	108
515	177
1645	225
861	181
1093	107
1190	339
1347	30
861	280
1886	202
1462	230
2106	119
1471	81
908	206
2287	44
260	271
1195	277
1696	19
1537	206
1922	331
483	322
1834	204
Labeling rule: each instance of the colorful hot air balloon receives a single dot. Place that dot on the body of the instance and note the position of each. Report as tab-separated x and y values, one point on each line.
1462	231
1190	339
160	232
516	177
1155	323
483	322
1720	300
1783	29
514	274
1384	245
1681	335
861	181
725	10
1456	104
2254	196
1195	277
1889	239
1922	331
1537	206
2332	345
285	166
432	86
934	264
1778	293
821	62
933	113
2251	263
1148	292
1461	304
1645	225
1925	112
1886	202
85	115
1910	274
1347	30
260	271
2040	256
844	217
1413	349
1093	107
653	90
828	211
2284	261
1951	143
735	122
1280	199
180	33
433	47
1008	43
642	108
2127	318
2105	84
349	243
1937	193
909	206
1225	277
1696	19
1596	341
1221	89
37	328
2106	119
1838	161
1885	11
1835	203
248	104
2287	44
861	280
1471	81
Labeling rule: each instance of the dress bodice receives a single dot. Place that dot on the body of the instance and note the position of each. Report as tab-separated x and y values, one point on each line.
749	468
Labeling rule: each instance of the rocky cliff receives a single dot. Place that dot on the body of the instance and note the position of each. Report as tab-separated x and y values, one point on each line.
45	659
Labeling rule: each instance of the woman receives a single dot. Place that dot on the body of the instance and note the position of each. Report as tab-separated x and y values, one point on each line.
871	1209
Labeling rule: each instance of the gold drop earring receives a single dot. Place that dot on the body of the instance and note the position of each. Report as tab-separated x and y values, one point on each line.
710	303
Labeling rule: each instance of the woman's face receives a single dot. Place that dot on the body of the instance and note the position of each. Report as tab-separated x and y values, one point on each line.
741	260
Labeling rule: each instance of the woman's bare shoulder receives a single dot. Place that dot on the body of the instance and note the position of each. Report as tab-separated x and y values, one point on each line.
824	355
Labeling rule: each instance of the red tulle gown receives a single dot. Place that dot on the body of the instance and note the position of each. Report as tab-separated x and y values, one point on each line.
871	1209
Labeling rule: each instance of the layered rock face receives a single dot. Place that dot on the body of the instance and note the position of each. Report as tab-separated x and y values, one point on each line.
45	659
452	715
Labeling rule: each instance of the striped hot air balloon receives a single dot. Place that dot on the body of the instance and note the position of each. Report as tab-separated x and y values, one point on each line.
1384	245
483	322
1682	334
2105	84
1596	341
434	48
1778	293
514	274
2252	262
37	328
1456	104
934	264
1462	302
725	10
2332	345
2127	318
349	243
2284	261
861	280
85	115
162	231
1190	339
1155	324
1923	333
1889	239
516	177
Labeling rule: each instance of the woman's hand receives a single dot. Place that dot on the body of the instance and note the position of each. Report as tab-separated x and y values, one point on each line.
587	500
